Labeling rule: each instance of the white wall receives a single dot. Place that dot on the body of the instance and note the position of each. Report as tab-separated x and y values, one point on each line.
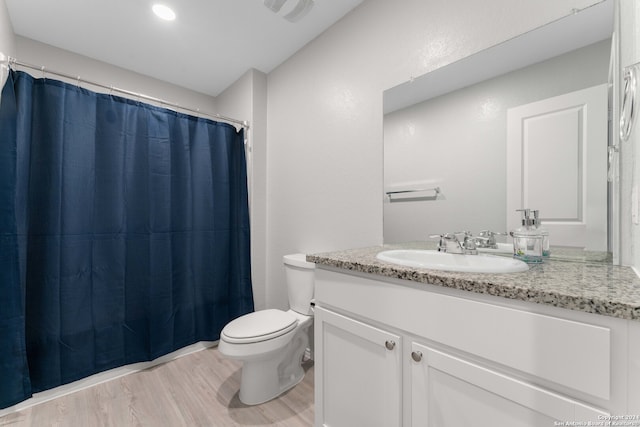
7	39
325	113
460	141
40	54
246	99
630	150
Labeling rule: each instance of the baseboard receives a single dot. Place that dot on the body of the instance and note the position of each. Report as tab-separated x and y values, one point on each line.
105	376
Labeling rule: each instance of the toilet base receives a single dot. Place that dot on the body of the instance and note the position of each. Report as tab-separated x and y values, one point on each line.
257	383
264	379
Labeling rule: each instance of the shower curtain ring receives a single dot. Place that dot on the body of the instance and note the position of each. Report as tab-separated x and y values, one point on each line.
78	81
44	76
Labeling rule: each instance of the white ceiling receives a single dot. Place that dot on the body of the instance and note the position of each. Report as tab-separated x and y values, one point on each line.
209	45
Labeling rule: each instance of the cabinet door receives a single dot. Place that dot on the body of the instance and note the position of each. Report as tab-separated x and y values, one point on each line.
450	391
358	373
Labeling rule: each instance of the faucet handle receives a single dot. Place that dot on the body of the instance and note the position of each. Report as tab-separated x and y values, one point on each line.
489	237
448	236
451	237
489	233
464	233
444	238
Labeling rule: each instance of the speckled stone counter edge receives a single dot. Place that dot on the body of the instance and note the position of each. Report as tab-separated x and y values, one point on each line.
589	287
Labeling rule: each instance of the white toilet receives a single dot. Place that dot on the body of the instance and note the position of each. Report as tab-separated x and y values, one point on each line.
271	343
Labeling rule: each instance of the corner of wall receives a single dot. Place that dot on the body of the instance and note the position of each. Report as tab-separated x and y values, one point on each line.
7	39
246	99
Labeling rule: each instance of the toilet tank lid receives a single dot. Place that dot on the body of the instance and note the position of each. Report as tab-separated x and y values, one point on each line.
298	260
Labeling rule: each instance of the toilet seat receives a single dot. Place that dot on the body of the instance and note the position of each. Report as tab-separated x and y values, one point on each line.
259	326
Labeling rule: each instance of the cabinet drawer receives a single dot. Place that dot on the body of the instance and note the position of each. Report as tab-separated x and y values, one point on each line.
566	352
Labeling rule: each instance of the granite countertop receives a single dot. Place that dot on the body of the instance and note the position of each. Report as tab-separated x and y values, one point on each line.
592	287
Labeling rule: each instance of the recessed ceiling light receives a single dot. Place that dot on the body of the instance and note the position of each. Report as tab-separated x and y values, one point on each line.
164	12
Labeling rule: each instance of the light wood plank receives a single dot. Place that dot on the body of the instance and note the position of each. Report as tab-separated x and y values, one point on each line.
200	389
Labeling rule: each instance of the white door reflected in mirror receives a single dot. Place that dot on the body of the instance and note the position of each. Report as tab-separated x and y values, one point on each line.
556	161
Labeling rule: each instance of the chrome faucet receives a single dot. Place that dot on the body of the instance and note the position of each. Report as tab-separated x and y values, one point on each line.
468	243
449	243
487	239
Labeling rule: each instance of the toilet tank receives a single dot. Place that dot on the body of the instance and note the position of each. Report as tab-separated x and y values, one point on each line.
299	275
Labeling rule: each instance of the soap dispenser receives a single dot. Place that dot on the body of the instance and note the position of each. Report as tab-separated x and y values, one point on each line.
527	240
546	250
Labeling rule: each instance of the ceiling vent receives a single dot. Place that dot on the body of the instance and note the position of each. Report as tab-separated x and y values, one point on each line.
297	13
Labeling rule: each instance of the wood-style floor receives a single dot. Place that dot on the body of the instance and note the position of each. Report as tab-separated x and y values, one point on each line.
200	389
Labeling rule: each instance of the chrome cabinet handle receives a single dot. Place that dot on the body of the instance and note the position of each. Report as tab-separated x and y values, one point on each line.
416	356
390	345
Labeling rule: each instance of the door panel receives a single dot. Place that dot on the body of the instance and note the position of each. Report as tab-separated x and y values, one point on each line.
450	391
361	373
557	163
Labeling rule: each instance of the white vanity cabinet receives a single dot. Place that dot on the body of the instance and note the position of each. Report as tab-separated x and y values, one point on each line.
361	373
390	352
450	391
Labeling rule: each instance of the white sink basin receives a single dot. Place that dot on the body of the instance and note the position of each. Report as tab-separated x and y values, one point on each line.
435	260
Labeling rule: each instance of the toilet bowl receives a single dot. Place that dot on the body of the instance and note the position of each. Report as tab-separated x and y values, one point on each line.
271	343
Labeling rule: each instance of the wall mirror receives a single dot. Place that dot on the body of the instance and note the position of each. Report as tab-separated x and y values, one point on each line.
468	143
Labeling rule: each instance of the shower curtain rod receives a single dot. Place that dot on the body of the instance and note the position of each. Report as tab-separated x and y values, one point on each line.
14	61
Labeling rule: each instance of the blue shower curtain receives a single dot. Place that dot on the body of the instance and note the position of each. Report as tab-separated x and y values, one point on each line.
124	233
